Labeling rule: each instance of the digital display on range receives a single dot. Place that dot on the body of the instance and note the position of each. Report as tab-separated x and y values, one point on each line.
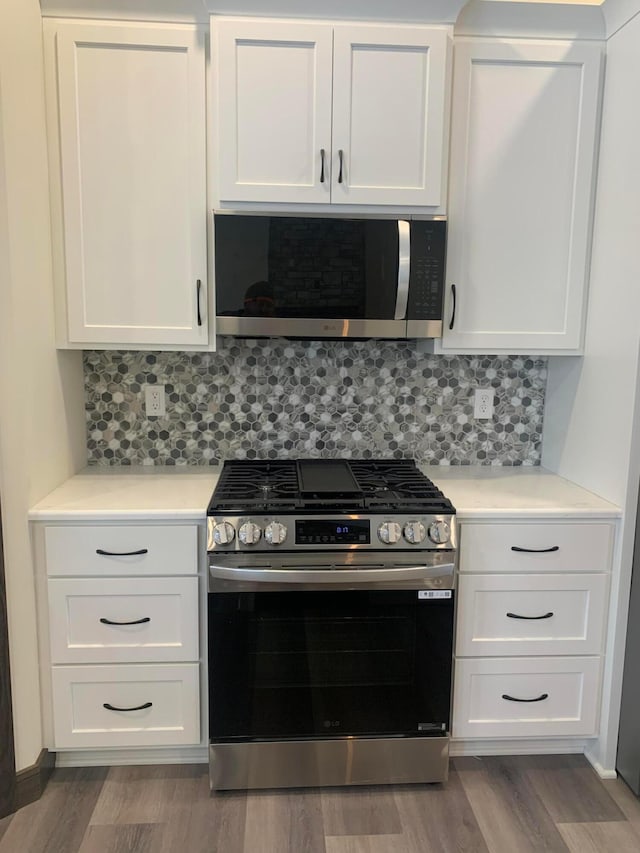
326	532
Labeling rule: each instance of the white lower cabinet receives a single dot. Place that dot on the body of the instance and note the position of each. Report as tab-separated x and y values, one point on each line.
122	608
530	632
526	697
101	620
121	706
531	614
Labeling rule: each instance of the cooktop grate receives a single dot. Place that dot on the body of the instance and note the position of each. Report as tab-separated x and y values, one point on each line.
319	485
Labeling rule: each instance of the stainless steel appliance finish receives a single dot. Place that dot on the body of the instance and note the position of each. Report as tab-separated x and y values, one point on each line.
326	327
344	612
628	756
319	571
329	277
342	761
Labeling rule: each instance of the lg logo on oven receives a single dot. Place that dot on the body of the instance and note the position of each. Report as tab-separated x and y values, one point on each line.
332	724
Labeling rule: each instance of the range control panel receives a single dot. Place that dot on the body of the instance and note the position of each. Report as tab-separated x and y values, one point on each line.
260	533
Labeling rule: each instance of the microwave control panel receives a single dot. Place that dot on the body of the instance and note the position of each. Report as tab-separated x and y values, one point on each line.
426	278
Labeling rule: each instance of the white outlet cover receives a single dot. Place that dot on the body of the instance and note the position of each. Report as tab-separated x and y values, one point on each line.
154	402
483	404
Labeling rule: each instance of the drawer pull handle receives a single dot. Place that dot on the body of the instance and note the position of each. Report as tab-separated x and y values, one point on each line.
535	550
138	708
122	553
515	699
517	616
134	622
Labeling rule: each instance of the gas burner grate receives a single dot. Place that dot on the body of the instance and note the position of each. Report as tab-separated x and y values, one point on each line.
375	485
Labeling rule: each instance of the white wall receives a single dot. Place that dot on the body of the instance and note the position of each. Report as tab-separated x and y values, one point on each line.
592	423
42	434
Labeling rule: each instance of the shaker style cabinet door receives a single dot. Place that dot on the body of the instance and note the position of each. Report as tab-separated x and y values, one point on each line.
523	145
272	110
322	113
129	105
390	100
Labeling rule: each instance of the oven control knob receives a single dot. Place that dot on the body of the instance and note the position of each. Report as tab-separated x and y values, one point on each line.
223	533
415	532
275	533
439	532
249	533
389	532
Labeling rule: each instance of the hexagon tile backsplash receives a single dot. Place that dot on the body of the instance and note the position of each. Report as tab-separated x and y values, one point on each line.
269	399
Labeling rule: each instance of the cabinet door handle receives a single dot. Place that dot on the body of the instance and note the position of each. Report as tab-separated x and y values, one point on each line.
137	708
322	165
341	159
198	289
535	550
517	616
133	622
453	310
515	698
122	553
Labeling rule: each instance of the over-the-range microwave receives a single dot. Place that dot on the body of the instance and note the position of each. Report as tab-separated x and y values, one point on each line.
313	277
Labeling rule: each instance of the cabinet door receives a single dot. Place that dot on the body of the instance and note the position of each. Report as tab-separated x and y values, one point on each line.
272	110
390	102
131	107
523	142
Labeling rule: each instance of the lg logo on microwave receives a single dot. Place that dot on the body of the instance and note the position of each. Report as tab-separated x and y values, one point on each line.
332	724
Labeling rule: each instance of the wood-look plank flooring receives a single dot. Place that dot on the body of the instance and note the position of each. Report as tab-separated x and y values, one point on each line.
506	804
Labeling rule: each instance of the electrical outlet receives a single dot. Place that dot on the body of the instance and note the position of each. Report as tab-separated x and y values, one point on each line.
154	404
483	404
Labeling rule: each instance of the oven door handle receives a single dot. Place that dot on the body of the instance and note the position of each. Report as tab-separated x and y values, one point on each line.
336	575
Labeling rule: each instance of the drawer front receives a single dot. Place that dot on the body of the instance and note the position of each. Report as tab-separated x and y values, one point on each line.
162	614
559	547
130	550
167	696
531	614
567	691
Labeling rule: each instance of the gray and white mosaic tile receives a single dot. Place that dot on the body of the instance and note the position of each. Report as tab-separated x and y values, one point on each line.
274	398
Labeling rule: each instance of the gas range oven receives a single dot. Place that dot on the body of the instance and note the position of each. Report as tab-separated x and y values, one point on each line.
330	618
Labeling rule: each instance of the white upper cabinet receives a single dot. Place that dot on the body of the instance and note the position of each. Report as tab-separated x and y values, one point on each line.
523	146
273	117
329	114
129	183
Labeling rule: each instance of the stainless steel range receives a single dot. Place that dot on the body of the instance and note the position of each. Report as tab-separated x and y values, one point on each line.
331	605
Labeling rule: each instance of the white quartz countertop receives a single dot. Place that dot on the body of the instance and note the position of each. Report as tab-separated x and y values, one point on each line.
133	494
499	492
130	494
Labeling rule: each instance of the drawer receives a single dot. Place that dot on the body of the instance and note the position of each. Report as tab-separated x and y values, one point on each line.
553	547
563	696
166	696
141	549
531	614
162	612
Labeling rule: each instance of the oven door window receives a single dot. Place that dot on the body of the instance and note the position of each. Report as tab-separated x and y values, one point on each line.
313	664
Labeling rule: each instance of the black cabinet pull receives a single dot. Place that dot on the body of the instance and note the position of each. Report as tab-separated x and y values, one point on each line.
517	616
122	553
137	708
515	699
134	622
198	289
322	165
341	159
535	550
453	310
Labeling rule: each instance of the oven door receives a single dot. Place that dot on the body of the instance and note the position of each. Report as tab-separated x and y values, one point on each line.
291	662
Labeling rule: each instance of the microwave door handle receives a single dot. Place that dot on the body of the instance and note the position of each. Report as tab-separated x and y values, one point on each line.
404	261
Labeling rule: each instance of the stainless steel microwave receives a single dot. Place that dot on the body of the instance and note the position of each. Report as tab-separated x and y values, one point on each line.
312	277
